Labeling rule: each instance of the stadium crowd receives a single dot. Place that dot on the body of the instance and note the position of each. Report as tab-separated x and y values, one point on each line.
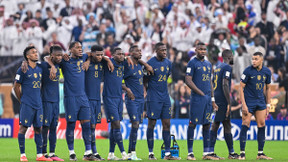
245	27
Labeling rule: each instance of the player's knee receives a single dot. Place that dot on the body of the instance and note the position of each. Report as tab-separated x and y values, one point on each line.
37	130
261	124
84	121
93	126
227	126
206	127
115	124
22	129
151	123
192	125
166	125
215	126
135	124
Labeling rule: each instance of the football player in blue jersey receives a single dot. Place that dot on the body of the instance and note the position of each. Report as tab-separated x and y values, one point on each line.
158	100
222	85
254	80
27	89
198	78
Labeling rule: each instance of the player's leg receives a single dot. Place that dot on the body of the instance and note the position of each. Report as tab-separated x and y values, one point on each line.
46	116
246	119
260	116
25	121
229	139
213	135
190	139
150	137
21	141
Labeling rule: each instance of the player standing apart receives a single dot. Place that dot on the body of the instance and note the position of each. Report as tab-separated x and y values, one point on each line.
198	78
253	81
158	100
27	89
222	86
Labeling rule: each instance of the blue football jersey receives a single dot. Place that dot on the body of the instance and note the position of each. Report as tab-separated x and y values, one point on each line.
201	74
50	88
255	81
30	86
157	84
74	76
93	78
113	80
134	80
222	71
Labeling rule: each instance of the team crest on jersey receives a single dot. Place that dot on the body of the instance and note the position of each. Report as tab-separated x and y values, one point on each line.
259	77
167	68
139	71
40	75
46	121
134	117
152	114
208	68
78	63
204	68
162	68
101	67
96	67
41	118
112	117
26	121
264	78
35	75
69	116
196	120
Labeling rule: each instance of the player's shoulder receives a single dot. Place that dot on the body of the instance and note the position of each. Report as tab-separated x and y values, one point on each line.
266	70
226	66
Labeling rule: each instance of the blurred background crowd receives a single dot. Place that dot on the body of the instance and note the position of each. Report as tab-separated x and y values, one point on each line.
244	26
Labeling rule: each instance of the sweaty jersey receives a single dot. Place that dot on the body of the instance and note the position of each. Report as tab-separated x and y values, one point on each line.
93	78
255	81
157	83
222	71
113	80
50	88
201	74
30	86
74	76
134	80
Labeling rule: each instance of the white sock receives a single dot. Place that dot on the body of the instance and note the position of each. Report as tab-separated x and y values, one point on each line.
260	152
51	153
123	153
242	152
23	154
39	155
71	152
87	152
190	153
133	152
167	153
96	153
205	153
151	153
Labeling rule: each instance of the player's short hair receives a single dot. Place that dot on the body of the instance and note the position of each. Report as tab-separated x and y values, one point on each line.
115	49
132	47
72	44
55	48
26	50
157	45
258	54
200	44
95	48
226	52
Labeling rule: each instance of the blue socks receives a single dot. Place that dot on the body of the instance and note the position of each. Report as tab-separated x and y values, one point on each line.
150	139
39	143
261	138
213	137
86	134
229	141
243	137
190	139
44	135
133	139
21	142
52	138
70	135
93	141
166	139
206	140
111	141
118	138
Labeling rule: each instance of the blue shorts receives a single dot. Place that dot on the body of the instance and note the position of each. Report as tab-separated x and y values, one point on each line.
221	113
253	107
50	113
29	116
113	108
135	109
76	108
159	110
95	108
200	109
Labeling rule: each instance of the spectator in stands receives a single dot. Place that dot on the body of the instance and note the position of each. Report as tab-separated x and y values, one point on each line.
76	31
283	82
182	103
241	61
35	35
236	106
64	32
283	115
9	36
274	76
102	34
275	54
67	10
266	27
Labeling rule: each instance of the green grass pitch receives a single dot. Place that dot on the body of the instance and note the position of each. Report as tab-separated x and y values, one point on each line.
9	149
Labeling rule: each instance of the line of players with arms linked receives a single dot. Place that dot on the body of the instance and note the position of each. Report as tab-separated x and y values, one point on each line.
36	87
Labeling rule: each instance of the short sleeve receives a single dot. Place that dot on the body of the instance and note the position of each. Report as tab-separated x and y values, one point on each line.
84	57
227	72
268	75
19	76
190	68
245	76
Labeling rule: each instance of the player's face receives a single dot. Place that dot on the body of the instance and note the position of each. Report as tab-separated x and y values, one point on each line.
119	56
77	50
162	52
201	51
57	56
136	53
97	55
32	55
230	58
257	61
